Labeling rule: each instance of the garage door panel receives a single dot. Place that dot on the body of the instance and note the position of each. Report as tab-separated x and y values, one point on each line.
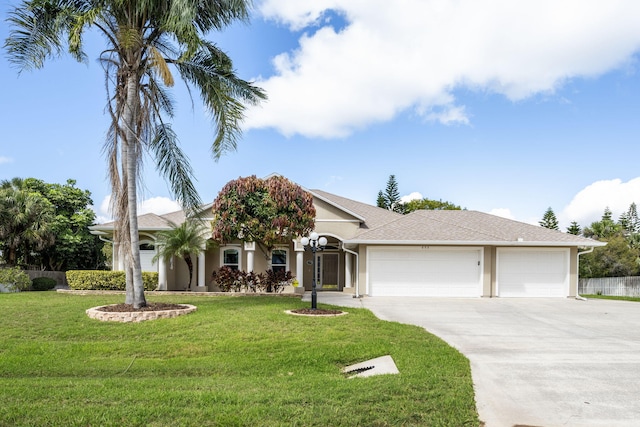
424	272
533	272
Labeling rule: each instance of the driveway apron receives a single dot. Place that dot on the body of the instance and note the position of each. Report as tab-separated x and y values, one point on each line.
534	361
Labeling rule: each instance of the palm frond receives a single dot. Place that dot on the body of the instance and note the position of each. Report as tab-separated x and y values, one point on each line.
173	164
224	94
38	30
159	65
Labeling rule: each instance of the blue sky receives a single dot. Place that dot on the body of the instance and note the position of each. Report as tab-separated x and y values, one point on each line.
499	107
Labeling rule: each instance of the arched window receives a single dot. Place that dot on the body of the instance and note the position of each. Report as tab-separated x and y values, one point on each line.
147	252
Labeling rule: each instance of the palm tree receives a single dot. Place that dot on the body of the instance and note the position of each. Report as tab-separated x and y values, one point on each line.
146	42
26	220
182	241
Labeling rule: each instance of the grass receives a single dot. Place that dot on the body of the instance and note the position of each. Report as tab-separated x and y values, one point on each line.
636	299
236	361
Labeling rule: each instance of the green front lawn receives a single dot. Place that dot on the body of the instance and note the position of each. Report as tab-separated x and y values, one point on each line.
236	361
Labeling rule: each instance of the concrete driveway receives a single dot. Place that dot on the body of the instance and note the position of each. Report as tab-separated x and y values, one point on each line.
535	362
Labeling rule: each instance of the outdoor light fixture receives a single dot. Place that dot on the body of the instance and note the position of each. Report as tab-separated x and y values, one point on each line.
315	244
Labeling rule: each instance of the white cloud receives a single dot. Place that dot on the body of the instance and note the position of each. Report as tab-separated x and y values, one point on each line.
388	59
5	160
156	205
502	212
409	197
103	214
450	115
588	205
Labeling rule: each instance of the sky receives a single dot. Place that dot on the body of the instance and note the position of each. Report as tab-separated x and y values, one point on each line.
497	106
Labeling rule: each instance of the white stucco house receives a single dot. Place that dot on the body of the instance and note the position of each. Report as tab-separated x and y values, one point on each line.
376	252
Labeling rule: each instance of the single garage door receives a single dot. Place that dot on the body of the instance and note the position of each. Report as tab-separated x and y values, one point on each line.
532	272
424	271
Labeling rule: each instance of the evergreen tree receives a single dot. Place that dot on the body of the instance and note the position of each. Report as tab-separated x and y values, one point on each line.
629	220
549	220
382	201
392	195
574	229
603	229
634	222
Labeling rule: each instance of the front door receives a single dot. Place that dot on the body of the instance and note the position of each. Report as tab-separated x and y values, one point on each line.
329	265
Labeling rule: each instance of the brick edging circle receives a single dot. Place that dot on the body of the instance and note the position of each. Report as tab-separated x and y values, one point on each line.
137	316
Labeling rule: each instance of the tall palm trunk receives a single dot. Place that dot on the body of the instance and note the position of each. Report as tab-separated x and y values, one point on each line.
131	107
187	259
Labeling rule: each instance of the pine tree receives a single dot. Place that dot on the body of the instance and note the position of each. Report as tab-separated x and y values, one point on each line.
392	195
603	229
633	223
549	220
574	229
382	201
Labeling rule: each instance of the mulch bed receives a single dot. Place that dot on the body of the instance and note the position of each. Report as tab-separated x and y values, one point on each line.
151	306
316	312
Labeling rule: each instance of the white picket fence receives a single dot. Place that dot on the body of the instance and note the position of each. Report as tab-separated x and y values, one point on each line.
617	286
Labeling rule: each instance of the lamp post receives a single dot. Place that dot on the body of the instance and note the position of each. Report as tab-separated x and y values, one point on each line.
315	243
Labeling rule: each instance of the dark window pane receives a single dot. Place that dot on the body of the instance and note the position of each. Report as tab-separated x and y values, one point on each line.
231	256
278	257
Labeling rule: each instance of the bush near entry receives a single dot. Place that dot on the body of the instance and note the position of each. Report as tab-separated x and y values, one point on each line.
43	284
98	280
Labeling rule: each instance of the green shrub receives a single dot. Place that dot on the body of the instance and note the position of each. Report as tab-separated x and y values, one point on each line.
100	280
229	280
43	284
14	279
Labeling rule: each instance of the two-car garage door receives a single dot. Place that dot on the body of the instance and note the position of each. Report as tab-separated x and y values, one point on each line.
424	271
430	271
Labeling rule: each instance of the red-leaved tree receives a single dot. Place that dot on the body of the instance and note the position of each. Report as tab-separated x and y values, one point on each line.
265	211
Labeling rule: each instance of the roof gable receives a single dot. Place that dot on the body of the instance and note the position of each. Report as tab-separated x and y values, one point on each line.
370	216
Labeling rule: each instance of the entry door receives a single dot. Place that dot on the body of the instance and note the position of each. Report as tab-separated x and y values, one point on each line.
328	271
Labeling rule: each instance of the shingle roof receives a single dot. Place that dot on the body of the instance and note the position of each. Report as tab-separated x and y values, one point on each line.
381	226
467	227
148	221
151	221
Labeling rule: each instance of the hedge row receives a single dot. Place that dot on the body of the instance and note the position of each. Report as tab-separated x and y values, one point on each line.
100	280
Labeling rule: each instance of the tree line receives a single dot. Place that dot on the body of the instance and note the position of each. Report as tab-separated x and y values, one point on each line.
46	226
390	199
621	256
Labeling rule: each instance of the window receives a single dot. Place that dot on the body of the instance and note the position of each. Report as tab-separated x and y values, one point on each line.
279	260
147	252
231	258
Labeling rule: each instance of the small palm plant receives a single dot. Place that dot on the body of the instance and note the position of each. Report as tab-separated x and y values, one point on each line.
182	241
